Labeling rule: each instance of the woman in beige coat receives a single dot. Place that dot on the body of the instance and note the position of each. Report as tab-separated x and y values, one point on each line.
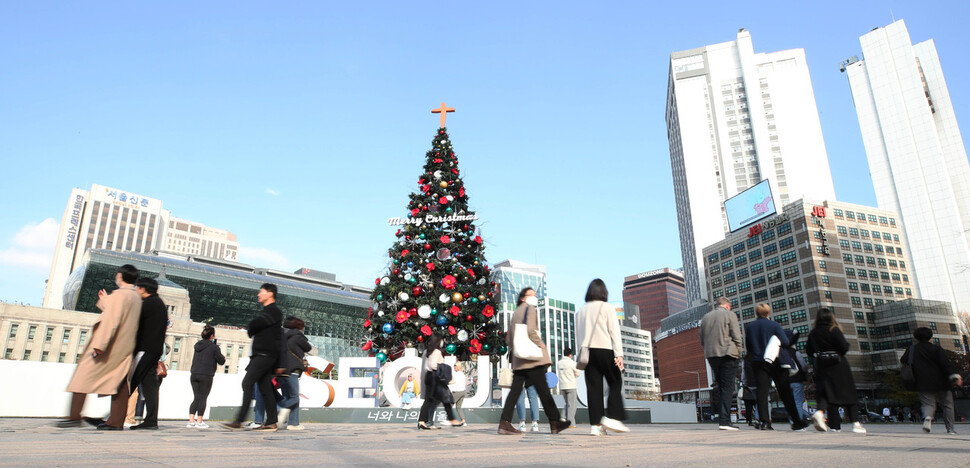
106	360
529	372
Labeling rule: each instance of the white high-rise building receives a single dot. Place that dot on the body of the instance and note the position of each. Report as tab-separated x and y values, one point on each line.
916	156
734	118
111	219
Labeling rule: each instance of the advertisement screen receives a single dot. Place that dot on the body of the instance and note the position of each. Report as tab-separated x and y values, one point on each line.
749	206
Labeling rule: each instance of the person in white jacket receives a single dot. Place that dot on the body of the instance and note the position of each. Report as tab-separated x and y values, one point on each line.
567	371
598	329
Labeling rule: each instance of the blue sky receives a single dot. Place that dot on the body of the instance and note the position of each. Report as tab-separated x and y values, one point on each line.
301	128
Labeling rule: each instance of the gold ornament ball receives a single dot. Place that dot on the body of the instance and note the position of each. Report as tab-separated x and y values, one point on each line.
443	184
457	297
481	298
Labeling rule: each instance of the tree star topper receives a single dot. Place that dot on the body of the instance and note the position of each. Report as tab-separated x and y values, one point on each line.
443	110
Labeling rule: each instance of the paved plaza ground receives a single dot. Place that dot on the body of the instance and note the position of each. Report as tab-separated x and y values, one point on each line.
37	442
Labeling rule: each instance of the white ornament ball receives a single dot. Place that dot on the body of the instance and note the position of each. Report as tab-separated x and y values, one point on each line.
437	174
385	281
481	281
450	198
402	296
380	313
444	298
462	335
424	311
408	277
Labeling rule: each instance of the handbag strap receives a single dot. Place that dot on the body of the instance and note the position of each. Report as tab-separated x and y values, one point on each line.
912	351
589	335
525	316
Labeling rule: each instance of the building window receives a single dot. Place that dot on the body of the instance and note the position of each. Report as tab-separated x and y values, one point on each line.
779	305
715	269
856	301
767	235
176	347
933	326
61	357
726	252
772	262
850	214
739	247
843	243
744	286
66	338
31	332
788	257
784	229
850	272
774	277
13	331
864	287
712	258
758	281
858	316
740	260
868	302
791	271
752	241
838	213
777	290
26	356
854	232
770	248
842	230
847	258
857	245
716	283
822	265
781	318
48	335
728	278
796	301
760	295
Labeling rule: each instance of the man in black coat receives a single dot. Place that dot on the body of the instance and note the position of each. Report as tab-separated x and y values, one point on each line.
934	376
149	345
266	332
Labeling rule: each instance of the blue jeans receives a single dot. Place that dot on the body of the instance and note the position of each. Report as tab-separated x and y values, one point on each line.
406	398
725	370
290	385
533	404
259	411
798	391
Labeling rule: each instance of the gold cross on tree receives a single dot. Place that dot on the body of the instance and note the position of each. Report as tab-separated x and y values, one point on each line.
443	110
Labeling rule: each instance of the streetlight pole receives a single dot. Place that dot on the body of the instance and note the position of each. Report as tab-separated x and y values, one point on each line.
697	399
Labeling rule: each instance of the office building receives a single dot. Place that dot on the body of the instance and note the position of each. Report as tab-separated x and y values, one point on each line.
639	382
846	257
734	118
682	370
190	238
916	156
890	326
657	293
106	218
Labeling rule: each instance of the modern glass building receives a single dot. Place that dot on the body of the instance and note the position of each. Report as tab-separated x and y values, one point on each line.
224	293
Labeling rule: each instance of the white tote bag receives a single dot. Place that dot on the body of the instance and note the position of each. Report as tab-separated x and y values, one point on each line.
522	346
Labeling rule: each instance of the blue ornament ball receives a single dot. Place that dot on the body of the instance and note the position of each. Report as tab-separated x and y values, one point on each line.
450	348
410	264
441	320
388	328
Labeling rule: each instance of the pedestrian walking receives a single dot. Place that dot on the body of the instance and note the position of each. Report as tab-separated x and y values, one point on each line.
435	391
295	347
206	359
105	364
834	385
457	386
148	349
797	374
567	373
935	376
529	371
265	330
598	329
721	339
765	338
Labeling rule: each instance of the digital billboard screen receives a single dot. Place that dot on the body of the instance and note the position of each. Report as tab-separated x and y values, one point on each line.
749	206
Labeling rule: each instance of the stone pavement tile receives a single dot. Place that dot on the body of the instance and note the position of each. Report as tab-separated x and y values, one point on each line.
36	442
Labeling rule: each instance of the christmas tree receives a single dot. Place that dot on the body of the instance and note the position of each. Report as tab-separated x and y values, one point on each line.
437	278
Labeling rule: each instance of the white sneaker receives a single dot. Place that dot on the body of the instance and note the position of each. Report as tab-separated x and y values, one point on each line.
857	428
595	431
728	428
283	415
928	424
298	427
201	425
818	419
127	425
190	425
252	425
521	426
535	426
613	425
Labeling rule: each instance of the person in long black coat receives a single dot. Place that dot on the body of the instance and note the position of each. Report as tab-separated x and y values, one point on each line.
834	385
934	376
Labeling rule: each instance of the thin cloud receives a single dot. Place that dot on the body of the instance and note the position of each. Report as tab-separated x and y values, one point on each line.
262	257
273	192
32	247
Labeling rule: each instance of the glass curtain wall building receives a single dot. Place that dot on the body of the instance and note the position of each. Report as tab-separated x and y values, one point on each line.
224	293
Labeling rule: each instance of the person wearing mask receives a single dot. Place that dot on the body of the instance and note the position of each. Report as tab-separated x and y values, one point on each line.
598	329
834	385
567	373
409	389
106	361
935	376
435	391
721	340
457	386
527	371
295	347
265	330
205	361
764	340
